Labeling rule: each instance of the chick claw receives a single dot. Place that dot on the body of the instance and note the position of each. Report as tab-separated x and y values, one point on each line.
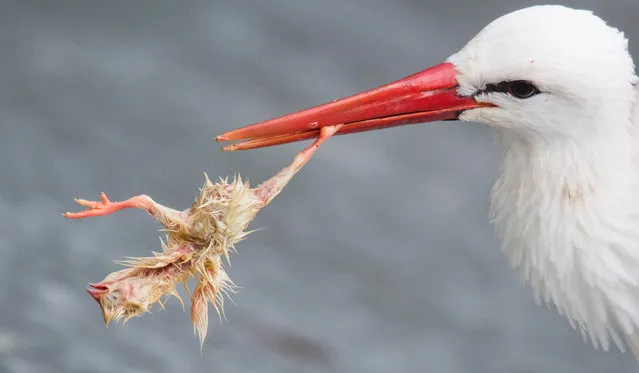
106	207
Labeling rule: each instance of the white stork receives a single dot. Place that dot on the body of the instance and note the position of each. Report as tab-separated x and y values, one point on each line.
559	87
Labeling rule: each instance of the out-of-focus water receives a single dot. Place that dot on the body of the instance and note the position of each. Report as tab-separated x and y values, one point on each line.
378	257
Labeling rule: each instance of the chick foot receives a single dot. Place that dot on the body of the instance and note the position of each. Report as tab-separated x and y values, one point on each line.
106	207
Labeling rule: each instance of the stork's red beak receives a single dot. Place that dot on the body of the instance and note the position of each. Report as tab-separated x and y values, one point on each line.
426	96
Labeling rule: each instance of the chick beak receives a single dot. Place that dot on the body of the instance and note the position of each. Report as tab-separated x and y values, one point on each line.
97	291
427	96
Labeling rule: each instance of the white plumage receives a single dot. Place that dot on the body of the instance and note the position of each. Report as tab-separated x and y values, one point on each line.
566	202
559	87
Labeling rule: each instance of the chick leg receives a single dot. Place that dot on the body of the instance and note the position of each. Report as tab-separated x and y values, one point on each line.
172	219
106	207
273	186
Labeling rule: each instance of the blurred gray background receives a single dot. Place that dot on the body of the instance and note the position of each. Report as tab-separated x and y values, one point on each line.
378	257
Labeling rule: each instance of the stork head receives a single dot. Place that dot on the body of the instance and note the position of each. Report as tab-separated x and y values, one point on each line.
540	72
548	71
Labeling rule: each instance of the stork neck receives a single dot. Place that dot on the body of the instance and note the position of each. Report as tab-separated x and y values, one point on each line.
566	213
605	157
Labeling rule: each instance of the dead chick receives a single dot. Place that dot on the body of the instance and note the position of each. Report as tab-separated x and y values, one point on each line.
198	239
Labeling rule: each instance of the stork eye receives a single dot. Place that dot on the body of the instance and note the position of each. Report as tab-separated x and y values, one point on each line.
521	89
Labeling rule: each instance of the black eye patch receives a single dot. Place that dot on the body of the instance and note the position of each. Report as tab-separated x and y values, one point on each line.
521	89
